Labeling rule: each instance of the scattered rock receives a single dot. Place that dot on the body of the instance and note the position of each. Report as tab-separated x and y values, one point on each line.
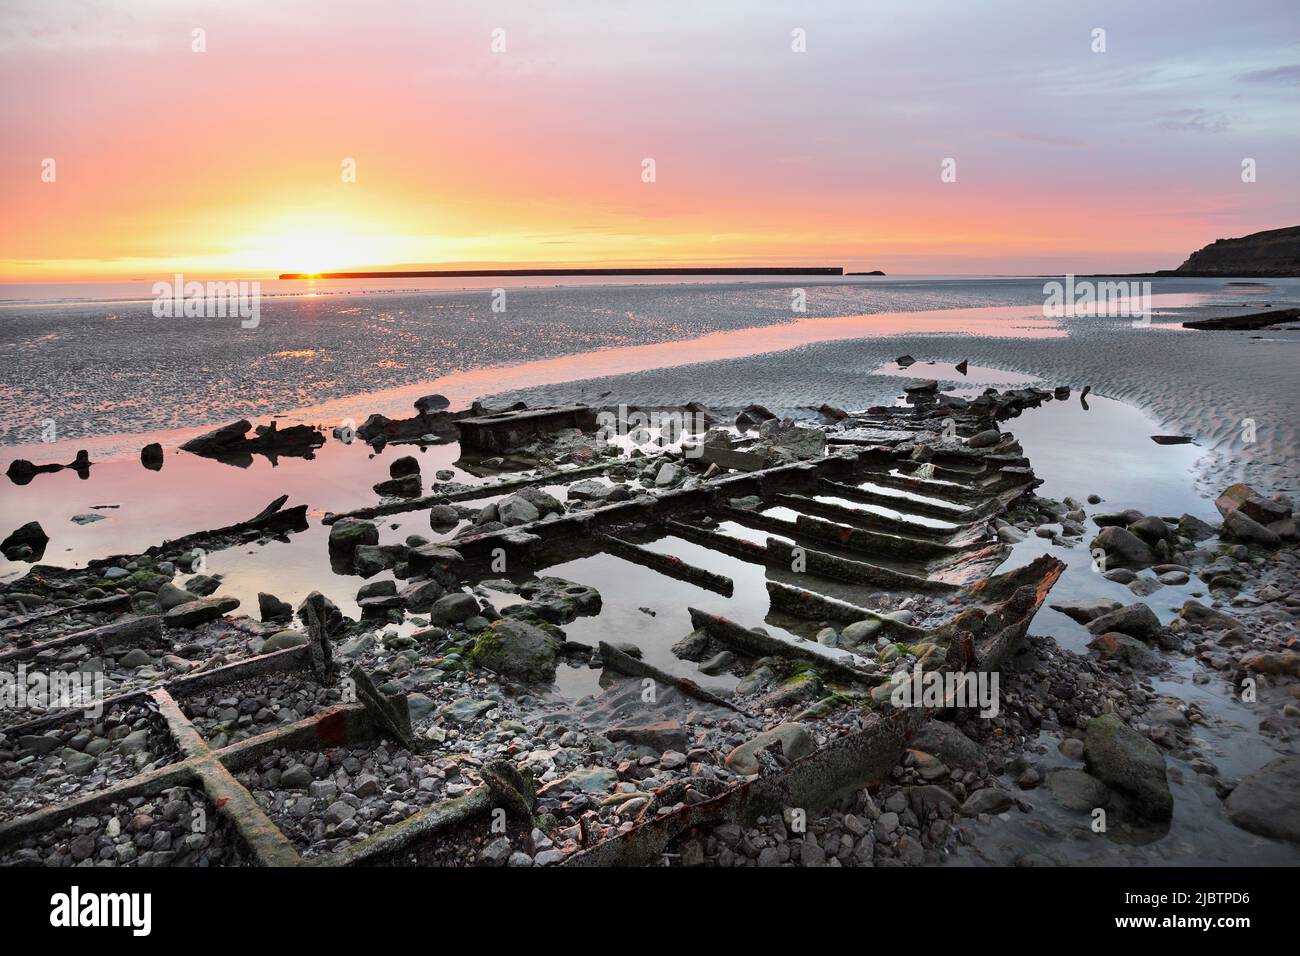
347	533
795	742
30	536
270	607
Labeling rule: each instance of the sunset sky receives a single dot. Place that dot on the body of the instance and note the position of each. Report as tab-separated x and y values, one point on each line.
228	162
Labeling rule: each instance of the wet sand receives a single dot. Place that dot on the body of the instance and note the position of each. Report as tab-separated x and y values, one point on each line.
1209	386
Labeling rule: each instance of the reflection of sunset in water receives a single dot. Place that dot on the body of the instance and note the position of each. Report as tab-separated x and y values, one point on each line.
463	387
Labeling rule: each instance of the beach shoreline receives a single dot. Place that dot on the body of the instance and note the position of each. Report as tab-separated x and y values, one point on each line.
1203	385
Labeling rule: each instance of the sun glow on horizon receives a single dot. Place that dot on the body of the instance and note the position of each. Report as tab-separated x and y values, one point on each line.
327	244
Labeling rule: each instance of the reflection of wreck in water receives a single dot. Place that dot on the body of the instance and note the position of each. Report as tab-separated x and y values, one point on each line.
880	508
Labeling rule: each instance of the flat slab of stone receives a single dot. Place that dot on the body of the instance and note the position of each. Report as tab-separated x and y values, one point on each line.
194	613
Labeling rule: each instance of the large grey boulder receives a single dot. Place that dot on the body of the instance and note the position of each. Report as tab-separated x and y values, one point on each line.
419	596
1244	500
436	561
270	607
283	639
1194	528
404	467
1136	620
1123	548
1120	757
1151	529
860	632
517	510
518	650
1239	526
1208	618
31	537
990	800
1268	801
1128	650
170	596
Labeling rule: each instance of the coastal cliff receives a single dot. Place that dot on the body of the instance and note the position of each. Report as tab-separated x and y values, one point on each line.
1275	252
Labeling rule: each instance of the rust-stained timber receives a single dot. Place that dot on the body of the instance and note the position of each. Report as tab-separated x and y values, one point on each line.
382	847
126	632
847	763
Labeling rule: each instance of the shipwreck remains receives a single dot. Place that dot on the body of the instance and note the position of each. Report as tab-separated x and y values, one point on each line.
875	540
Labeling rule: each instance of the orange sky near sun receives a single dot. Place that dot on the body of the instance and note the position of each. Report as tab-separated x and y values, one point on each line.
229	161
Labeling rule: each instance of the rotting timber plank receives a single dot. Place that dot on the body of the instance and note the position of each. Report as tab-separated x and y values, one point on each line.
381	847
745	550
465	494
144	784
827	565
629	666
869	520
666	564
867	541
273	519
339	725
835	661
113	602
846	763
130	630
859	540
970	566
269	846
500	431
289	659
781	554
955	492
267	843
805	603
336	726
186	735
954	513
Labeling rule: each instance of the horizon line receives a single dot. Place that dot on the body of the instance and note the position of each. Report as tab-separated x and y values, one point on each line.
632	271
